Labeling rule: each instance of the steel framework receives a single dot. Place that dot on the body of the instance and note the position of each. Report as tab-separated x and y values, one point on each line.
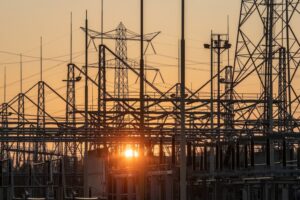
226	137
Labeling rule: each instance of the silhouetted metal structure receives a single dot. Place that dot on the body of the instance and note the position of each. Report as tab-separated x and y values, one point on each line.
224	140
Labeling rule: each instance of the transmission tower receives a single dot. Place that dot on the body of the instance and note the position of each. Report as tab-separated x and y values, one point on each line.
70	107
21	117
4	116
265	56
121	89
41	106
41	119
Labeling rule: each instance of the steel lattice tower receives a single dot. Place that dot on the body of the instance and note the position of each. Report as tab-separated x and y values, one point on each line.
41	118
102	86
21	117
282	91
121	89
259	54
70	107
4	145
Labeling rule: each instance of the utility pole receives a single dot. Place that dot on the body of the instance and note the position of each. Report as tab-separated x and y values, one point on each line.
142	106
183	182
86	103
211	84
142	103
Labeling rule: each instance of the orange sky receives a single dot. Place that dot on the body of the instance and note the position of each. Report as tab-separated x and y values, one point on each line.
23	22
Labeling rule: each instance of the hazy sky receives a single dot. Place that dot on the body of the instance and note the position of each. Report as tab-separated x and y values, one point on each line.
24	21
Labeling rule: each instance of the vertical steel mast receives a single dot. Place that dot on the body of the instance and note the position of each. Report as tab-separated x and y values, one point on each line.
142	104
183	183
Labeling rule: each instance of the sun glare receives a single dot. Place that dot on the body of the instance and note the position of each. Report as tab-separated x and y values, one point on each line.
129	153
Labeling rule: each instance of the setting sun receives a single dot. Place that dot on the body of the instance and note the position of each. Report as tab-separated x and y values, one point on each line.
129	153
